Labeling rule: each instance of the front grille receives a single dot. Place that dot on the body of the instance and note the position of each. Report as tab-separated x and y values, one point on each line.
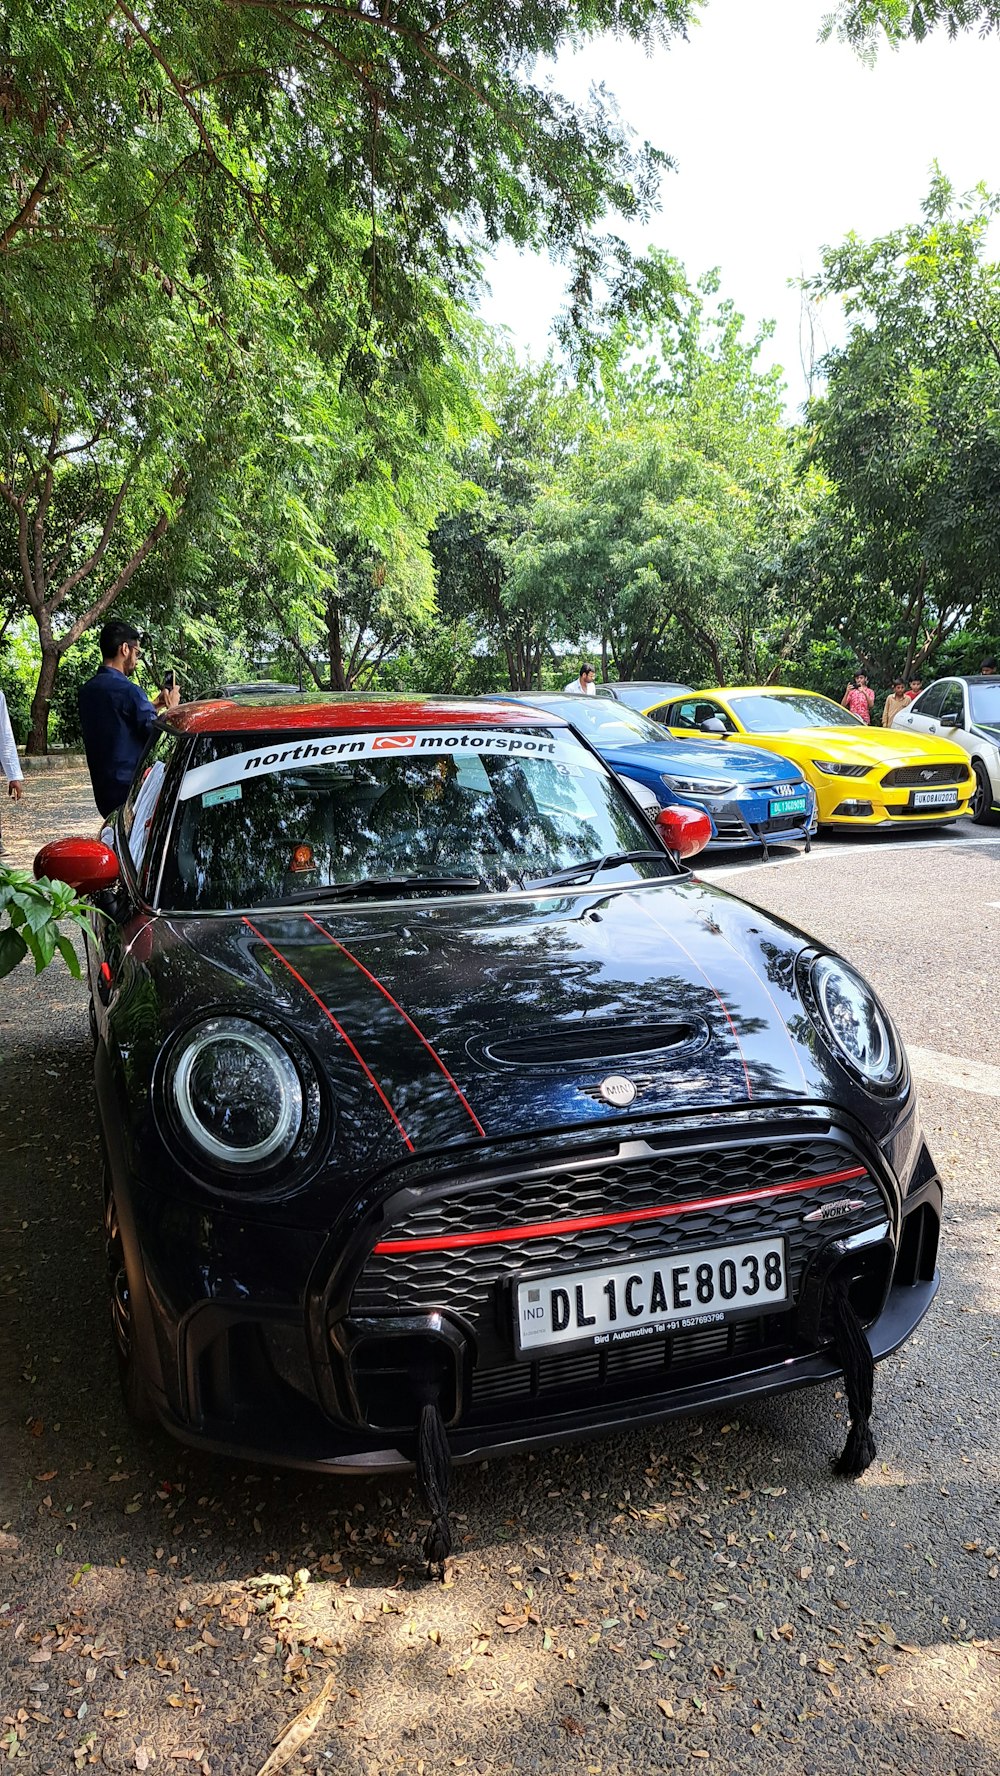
610	1184
730	824
473	1283
924	776
733	827
639	1368
783	823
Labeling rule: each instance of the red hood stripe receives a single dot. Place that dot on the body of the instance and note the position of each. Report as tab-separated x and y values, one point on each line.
325	1009
431	1050
441	1242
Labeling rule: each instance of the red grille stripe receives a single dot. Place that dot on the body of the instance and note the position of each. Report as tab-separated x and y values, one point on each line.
441	1242
431	1050
325	1009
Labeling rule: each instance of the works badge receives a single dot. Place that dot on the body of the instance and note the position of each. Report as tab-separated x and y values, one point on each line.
836	1211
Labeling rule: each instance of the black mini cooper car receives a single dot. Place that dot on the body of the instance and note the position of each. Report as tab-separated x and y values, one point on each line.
446	1112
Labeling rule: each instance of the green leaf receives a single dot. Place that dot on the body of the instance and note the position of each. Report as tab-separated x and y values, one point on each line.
68	953
13	950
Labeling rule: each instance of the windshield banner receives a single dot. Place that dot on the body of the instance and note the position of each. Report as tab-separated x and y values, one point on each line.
264	760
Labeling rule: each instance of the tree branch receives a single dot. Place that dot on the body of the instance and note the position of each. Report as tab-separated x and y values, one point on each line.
26	213
62	592
100	605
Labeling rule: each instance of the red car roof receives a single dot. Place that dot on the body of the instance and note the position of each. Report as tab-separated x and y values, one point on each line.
319	712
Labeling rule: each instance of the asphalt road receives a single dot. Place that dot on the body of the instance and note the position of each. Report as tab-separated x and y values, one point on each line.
700	1596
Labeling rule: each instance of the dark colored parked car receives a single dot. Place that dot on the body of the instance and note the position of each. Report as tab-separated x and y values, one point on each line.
446	1112
639	693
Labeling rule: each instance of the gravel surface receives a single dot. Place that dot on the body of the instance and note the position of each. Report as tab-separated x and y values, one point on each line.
691	1597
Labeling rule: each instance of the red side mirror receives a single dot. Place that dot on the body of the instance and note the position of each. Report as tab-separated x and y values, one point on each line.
86	864
686	831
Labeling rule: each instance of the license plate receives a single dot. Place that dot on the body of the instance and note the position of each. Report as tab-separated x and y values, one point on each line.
626	1303
935	798
788	805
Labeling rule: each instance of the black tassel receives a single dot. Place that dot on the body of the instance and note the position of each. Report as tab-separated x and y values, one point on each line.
854	1354
434	1475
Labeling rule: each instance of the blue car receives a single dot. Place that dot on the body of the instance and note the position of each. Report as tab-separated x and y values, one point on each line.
750	795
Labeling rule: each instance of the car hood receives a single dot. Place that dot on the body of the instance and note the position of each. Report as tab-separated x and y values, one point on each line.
746	765
463	1022
879	747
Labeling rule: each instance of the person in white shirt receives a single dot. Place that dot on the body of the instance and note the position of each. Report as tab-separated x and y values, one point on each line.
583	685
10	764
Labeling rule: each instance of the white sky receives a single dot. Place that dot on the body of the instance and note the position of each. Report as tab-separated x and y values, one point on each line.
782	145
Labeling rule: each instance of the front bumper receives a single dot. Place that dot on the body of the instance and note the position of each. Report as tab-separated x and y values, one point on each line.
855	802
747	820
316	1351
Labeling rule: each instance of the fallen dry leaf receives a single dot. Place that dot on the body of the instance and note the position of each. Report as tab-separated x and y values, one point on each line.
301	1729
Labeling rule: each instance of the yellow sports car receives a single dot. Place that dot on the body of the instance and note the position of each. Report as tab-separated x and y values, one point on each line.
863	776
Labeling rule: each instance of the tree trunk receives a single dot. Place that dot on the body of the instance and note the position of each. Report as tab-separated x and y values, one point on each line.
41	702
338	676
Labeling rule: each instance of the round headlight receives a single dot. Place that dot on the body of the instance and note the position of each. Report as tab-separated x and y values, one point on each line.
854	1023
237	1093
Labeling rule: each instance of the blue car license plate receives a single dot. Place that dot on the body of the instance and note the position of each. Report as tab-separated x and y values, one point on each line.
787	805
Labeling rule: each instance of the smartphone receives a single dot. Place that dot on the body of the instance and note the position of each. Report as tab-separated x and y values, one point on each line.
169	682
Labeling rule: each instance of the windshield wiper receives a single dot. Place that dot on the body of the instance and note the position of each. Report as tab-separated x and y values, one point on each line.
610	861
375	885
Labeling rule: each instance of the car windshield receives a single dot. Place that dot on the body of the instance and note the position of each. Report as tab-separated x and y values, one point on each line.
986	704
262	821
766	712
613	724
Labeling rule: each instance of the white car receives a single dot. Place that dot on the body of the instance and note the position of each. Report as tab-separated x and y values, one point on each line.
966	710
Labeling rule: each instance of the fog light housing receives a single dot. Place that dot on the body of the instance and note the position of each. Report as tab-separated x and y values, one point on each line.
854	810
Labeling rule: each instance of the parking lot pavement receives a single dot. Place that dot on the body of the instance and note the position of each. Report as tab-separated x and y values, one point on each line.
696	1596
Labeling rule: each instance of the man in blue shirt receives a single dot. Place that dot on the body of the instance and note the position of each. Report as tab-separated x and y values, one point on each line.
116	716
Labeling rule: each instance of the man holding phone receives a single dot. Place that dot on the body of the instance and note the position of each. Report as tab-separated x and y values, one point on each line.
116	716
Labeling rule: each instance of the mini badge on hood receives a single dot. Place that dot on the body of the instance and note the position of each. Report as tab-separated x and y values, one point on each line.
835	1211
617	1090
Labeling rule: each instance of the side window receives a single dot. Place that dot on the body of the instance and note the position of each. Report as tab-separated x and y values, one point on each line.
694	712
677	715
931	701
663	713
953	704
142	801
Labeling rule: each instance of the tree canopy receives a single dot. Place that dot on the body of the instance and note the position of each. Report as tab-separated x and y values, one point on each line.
909	430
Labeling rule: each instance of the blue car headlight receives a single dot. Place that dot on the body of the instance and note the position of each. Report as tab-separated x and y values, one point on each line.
852	1023
697	785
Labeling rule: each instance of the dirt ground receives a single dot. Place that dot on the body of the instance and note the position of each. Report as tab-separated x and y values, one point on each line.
700	1596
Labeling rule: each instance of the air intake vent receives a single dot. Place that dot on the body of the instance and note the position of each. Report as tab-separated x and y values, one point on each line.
592	1043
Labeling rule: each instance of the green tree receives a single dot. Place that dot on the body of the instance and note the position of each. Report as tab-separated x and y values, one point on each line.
864	22
909	431
673	516
534	422
185	188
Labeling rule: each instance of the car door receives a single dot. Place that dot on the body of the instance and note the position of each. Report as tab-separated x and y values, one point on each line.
953	722
922	714
121	908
